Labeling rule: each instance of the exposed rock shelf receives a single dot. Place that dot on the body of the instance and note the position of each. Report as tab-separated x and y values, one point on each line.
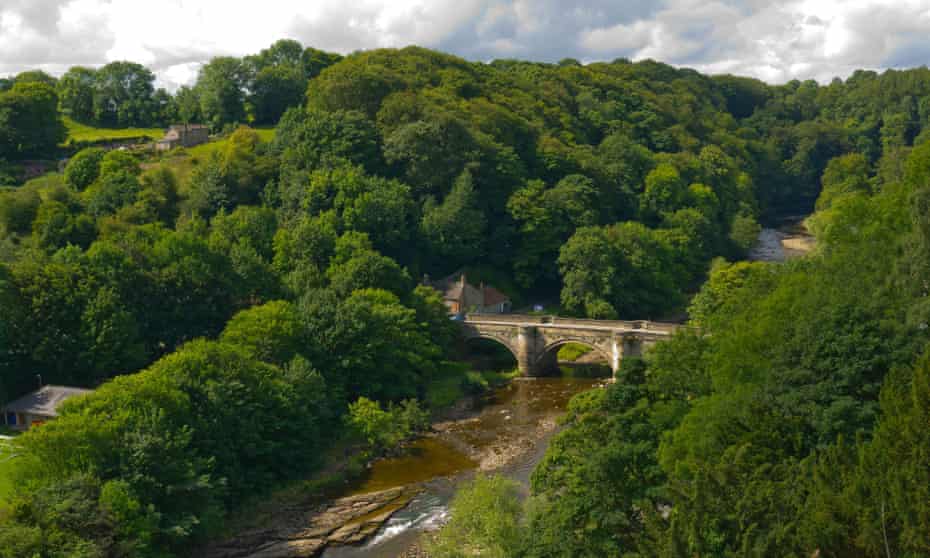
349	520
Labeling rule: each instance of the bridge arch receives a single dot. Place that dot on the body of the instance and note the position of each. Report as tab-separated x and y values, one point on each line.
547	360
534	340
556	345
497	340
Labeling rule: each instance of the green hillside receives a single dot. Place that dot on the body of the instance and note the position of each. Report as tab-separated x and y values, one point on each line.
248	308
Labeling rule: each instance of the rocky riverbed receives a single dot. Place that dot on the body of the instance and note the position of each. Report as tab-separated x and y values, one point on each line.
507	434
384	513
303	533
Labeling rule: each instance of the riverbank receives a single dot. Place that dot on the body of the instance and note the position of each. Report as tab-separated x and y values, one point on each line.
507	435
351	497
789	240
390	501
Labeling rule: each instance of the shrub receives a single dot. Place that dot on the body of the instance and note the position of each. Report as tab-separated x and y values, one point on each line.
385	429
84	168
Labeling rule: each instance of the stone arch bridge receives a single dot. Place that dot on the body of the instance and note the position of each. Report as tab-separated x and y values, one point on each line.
535	340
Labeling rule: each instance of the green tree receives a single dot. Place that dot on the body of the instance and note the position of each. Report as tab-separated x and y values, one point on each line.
187	101
351	85
369	344
315	61
485	520
221	89
431	153
76	93
35	76
302	250
385	429
123	95
308	139
366	269
158	199
110	336
29	120
455	229
112	191
84	168
664	192
18	209
177	435
274	90
600	483
848	174
744	231
626	269
380	208
278	79
270	333
548	217
889	490
57	226
284	52
118	161
246	169
209	192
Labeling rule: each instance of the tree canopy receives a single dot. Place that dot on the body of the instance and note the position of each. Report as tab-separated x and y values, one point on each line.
230	304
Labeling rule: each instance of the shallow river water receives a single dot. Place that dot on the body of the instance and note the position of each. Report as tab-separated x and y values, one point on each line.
507	434
790	240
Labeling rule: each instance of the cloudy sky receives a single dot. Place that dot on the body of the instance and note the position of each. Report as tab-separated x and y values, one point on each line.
775	40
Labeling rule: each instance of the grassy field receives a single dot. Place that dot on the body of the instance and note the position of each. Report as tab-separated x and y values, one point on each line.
267	134
573	351
78	132
183	161
6	460
204	150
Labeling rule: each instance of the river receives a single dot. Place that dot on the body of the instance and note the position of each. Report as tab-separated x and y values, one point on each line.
790	239
507	434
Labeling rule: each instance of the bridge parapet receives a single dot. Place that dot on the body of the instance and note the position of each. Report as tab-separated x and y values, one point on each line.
512	318
534	339
644	325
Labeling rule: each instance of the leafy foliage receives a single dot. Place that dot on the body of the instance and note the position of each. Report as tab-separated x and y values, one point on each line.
485	521
790	424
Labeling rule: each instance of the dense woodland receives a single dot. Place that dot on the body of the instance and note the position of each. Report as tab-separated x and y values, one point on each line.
268	292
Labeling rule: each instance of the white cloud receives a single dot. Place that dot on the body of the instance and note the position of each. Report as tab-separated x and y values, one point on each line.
620	37
775	40
172	36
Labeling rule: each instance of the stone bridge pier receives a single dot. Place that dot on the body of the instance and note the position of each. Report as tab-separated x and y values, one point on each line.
535	340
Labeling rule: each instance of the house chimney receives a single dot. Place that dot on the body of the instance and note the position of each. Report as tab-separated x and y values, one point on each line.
426	278
39	378
483	296
462	279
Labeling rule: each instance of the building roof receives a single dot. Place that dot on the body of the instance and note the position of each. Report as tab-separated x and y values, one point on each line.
452	288
181	127
493	297
45	401
453	291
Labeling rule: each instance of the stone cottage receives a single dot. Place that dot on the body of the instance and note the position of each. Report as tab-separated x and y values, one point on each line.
183	135
460	296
